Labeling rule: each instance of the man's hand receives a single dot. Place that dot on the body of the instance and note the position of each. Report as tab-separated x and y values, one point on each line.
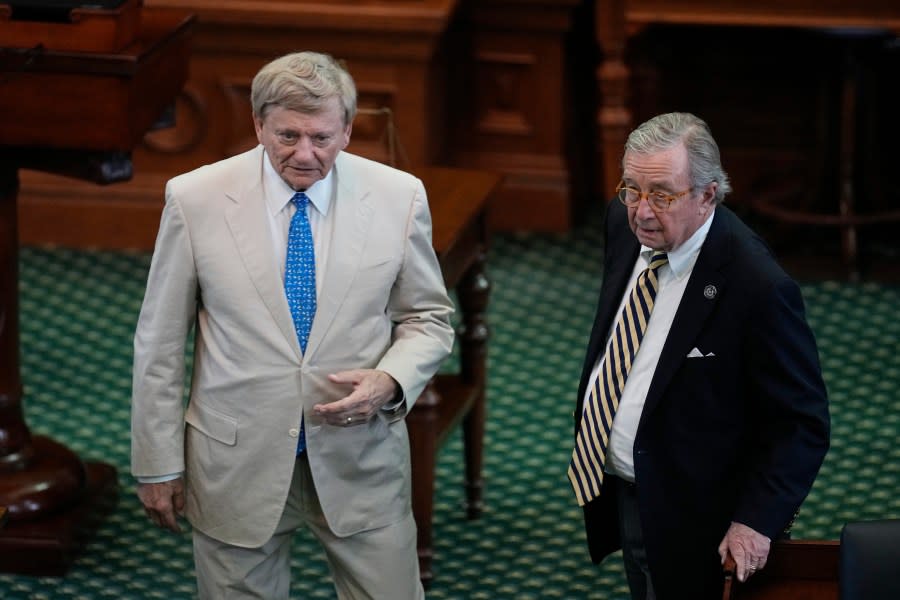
371	390
163	502
749	548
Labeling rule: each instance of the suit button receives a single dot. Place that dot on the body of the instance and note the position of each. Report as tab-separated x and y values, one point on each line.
294	432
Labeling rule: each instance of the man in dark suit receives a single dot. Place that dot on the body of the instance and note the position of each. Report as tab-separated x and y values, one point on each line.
702	418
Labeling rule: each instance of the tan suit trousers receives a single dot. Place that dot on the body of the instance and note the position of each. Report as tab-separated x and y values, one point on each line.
376	564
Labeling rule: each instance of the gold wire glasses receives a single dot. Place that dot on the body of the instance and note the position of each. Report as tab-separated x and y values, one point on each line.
658	201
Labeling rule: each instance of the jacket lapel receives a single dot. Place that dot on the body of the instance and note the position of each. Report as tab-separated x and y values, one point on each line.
246	219
704	288
352	218
618	269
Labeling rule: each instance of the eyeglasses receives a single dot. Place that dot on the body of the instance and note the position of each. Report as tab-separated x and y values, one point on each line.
658	201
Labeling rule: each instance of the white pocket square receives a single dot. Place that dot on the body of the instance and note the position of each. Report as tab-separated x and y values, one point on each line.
695	353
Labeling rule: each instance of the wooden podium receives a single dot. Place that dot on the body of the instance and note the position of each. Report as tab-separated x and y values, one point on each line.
77	114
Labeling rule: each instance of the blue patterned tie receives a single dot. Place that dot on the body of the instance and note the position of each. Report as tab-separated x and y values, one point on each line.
300	280
589	456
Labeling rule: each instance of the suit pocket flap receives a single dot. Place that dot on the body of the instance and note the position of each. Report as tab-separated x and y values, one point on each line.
211	422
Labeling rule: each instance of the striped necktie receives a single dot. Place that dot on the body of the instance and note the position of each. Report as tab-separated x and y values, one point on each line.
300	280
589	456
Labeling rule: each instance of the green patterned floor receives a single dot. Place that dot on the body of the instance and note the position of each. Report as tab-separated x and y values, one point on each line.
78	310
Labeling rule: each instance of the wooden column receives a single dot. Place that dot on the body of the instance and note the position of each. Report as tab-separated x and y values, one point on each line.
519	113
613	114
75	113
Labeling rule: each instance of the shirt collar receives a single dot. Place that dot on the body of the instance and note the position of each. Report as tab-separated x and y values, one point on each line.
682	258
279	193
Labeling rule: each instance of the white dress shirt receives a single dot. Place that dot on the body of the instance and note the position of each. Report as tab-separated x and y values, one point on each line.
280	210
673	278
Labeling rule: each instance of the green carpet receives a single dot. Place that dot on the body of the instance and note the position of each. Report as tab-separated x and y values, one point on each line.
78	311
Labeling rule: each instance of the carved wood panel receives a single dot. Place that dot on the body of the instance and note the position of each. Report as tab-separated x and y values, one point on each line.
479	83
391	49
519	113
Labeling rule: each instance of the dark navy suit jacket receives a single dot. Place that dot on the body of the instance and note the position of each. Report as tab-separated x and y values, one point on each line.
738	435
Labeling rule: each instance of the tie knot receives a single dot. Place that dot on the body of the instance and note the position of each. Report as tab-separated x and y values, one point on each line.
658	259
300	200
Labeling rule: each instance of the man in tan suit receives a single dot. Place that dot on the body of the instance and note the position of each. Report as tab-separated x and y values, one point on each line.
275	436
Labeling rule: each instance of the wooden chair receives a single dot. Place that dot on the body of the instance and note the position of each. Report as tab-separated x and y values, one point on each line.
795	570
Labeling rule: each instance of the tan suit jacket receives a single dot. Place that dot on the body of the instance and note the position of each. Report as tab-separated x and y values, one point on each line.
382	304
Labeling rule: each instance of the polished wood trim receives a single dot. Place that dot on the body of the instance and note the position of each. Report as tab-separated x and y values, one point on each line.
796	570
411	16
870	14
89	29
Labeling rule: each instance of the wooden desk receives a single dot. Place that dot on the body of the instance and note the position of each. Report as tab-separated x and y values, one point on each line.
459	200
77	114
619	20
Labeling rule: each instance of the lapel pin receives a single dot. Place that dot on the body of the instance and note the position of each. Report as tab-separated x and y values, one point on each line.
710	291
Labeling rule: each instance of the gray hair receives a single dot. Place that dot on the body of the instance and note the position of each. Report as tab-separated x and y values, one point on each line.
304	82
666	130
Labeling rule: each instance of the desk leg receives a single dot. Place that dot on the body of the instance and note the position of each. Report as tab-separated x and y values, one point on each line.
48	492
474	291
